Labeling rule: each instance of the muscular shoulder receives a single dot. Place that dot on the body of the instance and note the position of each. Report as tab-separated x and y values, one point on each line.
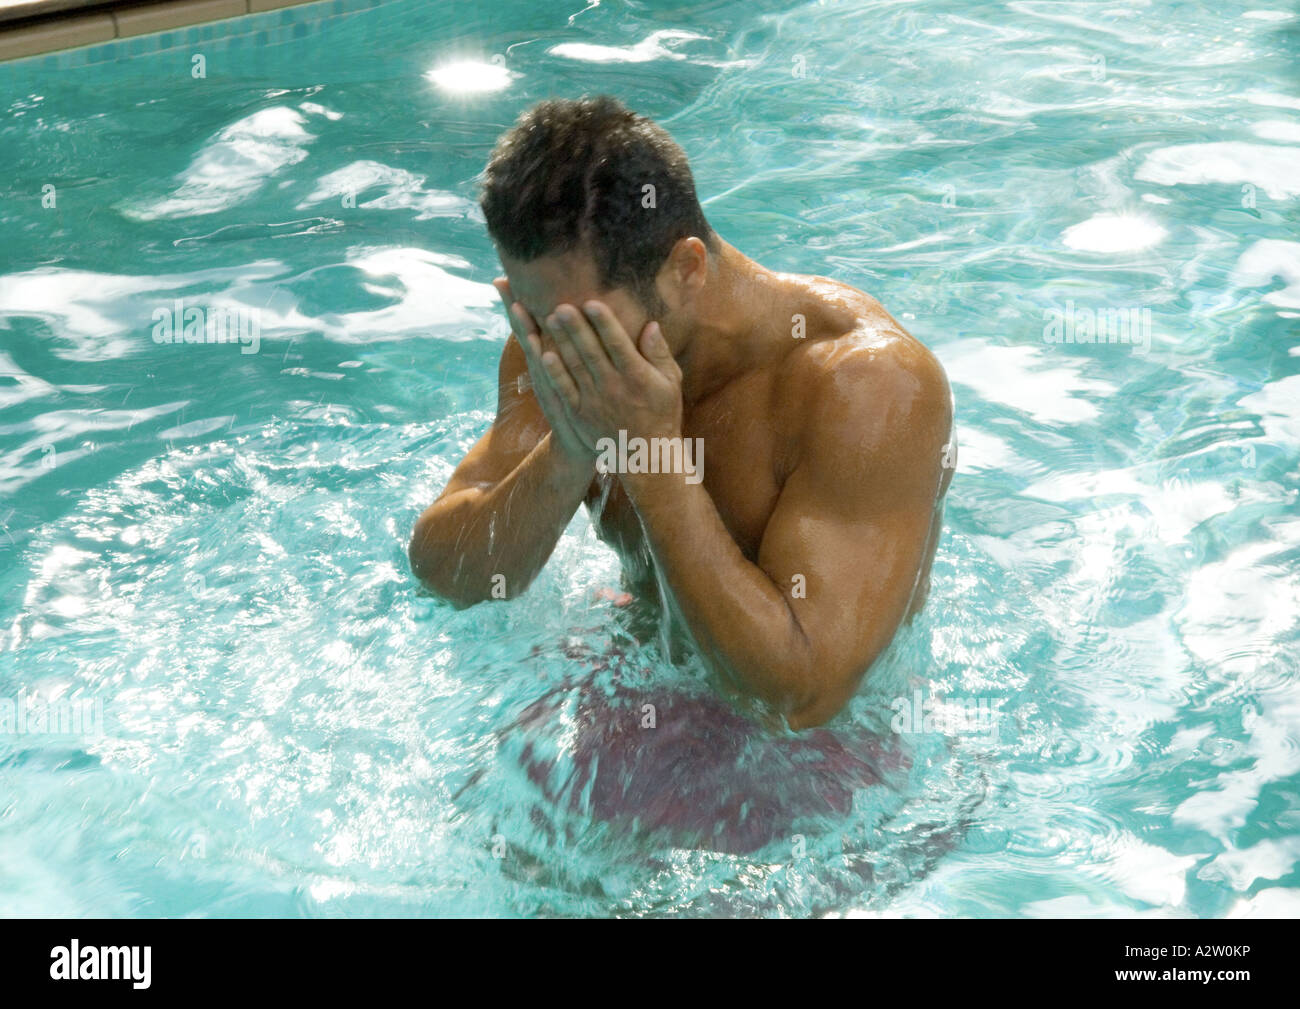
875	404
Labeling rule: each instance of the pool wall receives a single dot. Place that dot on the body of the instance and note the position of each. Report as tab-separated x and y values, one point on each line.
40	27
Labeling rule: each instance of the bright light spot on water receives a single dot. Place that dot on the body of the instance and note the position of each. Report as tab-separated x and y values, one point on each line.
471	76
1113	233
68	606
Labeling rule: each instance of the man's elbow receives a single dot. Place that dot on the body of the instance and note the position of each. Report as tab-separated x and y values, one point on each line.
459	593
433	580
444	573
434	570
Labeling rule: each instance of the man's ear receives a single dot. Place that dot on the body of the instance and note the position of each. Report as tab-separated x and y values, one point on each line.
686	270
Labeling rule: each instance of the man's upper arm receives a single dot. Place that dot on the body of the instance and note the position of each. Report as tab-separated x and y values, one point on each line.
849	533
518	428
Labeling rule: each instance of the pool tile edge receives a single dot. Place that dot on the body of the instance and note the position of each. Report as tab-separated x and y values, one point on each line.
153	18
106	25
52	36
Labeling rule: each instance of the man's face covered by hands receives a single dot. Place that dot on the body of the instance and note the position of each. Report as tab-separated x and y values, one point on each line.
569	278
597	363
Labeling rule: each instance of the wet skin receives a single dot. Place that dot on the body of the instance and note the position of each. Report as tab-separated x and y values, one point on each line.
825	428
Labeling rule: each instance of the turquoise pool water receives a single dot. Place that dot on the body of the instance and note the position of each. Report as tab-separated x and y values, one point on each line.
204	547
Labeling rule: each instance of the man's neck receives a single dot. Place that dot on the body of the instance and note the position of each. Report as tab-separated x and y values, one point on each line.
738	324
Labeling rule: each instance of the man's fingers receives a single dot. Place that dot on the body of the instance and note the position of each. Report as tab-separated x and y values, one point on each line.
520	320
549	401
519	316
552	386
655	349
613	337
554	407
580	371
561	379
574	325
524	328
532	346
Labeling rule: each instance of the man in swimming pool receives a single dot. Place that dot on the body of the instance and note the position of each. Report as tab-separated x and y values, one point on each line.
826	428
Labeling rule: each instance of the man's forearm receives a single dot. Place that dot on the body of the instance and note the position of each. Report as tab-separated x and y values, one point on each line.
490	542
739	618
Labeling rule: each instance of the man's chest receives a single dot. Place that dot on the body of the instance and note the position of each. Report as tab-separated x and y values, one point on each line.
741	446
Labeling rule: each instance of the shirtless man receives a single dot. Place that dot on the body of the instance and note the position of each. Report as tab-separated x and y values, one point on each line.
826	428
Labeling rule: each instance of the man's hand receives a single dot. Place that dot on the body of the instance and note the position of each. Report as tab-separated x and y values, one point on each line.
554	409
511	497
605	381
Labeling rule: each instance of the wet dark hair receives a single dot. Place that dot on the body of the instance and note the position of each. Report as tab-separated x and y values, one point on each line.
571	173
